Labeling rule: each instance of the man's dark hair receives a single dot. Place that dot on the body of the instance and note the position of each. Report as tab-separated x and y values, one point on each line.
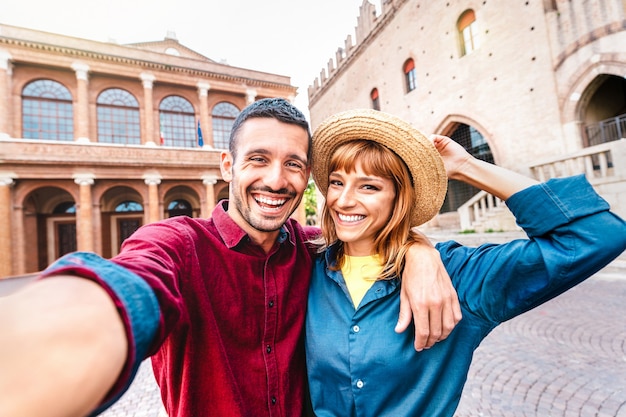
273	108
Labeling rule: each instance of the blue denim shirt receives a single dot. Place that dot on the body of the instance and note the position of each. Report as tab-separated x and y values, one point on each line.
358	365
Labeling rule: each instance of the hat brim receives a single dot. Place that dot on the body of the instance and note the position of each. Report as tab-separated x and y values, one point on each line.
415	149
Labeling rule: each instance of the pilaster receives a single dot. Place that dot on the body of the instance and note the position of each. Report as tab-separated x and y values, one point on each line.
6	243
5	98
148	138
205	121
81	116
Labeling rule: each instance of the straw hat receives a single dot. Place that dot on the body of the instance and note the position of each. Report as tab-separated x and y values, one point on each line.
416	150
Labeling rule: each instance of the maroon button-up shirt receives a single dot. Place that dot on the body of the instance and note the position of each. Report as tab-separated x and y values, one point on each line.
230	341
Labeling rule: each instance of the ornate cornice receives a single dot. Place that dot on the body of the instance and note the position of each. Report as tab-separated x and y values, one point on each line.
143	64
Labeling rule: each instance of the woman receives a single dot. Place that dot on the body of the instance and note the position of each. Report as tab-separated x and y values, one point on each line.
381	177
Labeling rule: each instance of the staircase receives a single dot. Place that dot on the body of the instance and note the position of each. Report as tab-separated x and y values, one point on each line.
604	166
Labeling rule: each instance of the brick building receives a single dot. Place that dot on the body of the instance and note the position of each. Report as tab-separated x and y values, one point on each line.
98	138
536	86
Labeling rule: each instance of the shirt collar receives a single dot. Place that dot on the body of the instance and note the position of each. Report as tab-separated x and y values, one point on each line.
232	234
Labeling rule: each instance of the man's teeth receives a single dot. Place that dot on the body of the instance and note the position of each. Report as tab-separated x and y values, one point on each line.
351	218
270	201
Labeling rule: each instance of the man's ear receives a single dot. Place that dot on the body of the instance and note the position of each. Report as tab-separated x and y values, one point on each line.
226	166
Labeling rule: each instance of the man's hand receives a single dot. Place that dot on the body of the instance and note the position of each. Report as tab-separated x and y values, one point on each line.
427	295
62	347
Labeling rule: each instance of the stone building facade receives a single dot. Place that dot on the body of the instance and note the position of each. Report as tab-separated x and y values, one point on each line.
537	86
97	139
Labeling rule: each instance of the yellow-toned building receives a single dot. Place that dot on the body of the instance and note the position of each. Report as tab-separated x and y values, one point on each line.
97	139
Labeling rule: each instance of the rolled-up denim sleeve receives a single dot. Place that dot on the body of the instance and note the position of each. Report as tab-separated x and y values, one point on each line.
572	235
134	299
547	206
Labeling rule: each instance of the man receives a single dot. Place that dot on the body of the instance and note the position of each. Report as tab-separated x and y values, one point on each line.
218	303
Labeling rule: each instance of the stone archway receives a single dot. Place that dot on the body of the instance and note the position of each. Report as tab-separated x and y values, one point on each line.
49	224
122	214
476	144
602	110
181	201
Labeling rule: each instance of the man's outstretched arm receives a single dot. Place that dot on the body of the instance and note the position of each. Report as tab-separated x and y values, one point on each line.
62	347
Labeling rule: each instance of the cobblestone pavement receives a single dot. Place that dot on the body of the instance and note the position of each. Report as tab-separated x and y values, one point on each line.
566	358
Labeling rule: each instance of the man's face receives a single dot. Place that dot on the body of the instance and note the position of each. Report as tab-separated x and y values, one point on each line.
268	177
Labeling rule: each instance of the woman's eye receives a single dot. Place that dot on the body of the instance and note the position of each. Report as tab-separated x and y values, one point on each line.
370	187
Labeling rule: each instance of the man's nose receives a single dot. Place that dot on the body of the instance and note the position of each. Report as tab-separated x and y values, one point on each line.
276	177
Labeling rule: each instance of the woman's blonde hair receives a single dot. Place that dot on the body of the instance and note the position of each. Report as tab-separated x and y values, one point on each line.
396	236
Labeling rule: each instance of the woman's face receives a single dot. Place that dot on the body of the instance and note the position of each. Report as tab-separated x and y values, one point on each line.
360	205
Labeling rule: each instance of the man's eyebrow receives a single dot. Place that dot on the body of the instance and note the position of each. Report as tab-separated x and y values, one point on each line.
299	158
263	151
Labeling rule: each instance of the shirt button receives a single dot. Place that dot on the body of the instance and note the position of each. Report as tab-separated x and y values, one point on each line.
356	328
268	349
271	304
359	384
273	400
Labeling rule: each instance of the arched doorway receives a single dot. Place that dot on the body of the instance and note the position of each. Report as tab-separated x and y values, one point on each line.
603	110
49	226
476	144
181	201
122	214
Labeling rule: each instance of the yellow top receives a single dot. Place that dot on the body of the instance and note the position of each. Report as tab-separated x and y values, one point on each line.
360	272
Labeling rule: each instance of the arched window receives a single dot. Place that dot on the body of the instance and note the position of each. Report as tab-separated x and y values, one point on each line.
118	117
127	206
409	75
375	99
224	114
47	111
179	208
66	207
176	117
468	32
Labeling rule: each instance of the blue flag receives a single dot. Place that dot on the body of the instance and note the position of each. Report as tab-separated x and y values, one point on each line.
200	140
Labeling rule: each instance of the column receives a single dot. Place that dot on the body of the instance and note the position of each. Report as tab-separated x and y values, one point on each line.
5	97
84	214
209	182
149	138
6	243
81	117
205	121
153	181
250	96
19	240
96	212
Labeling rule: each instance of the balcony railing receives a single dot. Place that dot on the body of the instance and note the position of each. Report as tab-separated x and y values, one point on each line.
604	163
606	130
